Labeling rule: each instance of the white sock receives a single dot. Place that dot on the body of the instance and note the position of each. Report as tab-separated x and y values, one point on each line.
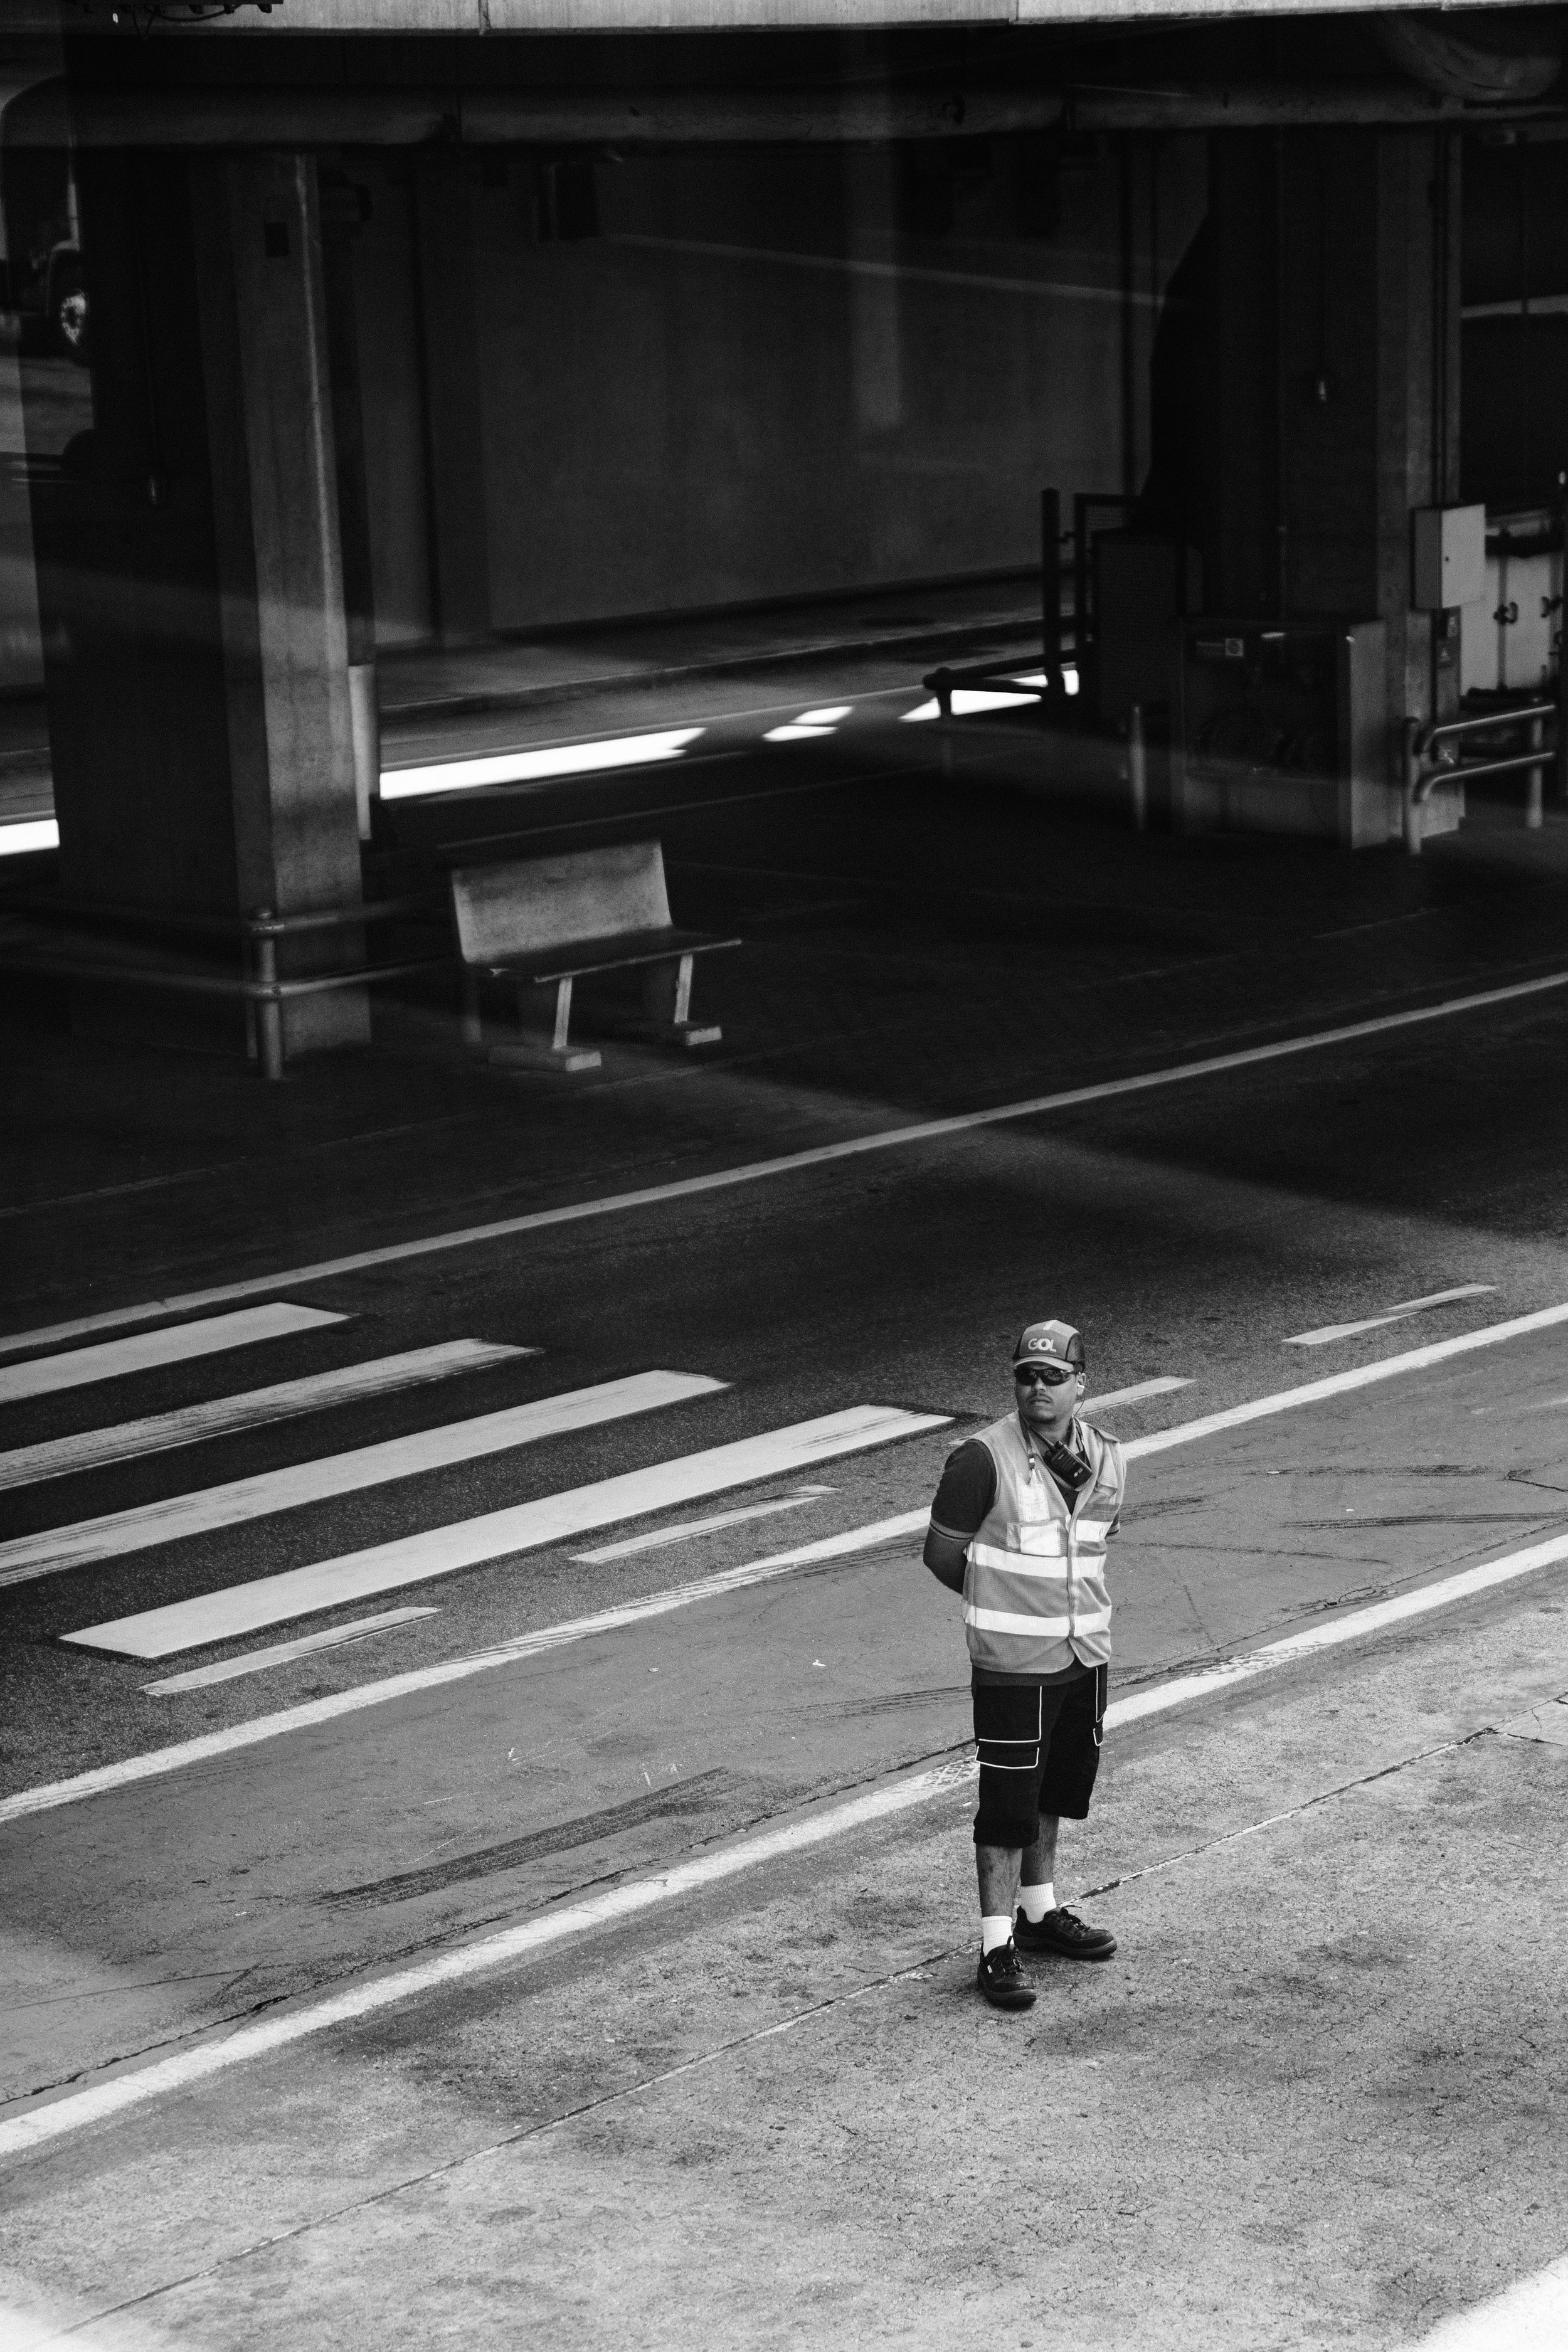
994	1932
1034	1902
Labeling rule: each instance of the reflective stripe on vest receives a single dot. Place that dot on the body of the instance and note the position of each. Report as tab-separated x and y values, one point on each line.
1035	1597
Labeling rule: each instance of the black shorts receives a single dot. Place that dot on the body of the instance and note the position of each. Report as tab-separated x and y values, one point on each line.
1039	1751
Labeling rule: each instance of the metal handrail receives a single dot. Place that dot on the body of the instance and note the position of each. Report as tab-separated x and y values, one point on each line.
1450	728
264	922
1426	767
260	933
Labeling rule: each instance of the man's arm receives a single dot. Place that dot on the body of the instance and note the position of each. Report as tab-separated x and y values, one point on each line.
967	1491
946	1558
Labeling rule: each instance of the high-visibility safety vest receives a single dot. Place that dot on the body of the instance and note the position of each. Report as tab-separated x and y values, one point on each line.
1034	1589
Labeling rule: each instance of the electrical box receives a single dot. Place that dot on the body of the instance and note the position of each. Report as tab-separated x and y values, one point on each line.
1282	731
1447	557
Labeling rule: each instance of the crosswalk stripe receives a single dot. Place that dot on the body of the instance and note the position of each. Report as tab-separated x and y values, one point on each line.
25	1466
283	1653
1134	1395
1329	1333
683	1530
549	1518
115	1533
143	1350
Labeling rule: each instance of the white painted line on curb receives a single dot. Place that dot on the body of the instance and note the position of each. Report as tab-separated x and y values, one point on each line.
237	1608
116	1533
159	1433
34	2126
106	1777
574	758
1530	2317
117	1359
656	1538
29	834
1394	1314
280	1654
788	1164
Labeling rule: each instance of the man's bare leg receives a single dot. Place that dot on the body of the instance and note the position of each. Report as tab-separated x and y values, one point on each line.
996	1867
1038	1862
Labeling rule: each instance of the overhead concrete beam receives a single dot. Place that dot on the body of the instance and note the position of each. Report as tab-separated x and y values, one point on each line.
447	16
492	117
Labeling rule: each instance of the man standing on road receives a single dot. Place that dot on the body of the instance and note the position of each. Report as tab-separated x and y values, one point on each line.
1019	1527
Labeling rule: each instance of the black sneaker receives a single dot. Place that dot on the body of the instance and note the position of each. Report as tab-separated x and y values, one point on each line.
1064	1933
1001	1979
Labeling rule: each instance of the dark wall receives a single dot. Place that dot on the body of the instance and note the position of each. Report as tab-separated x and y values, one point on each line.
1515	428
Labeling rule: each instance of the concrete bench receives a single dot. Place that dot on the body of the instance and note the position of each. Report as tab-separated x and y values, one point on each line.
547	922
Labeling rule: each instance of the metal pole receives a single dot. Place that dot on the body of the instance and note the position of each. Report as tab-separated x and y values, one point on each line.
269	1009
1138	768
1533	805
1080	592
1051	587
1411	785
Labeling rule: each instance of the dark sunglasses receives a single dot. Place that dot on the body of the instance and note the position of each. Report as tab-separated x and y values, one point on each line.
1041	1375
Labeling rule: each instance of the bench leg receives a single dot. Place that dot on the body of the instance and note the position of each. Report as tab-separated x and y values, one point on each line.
531	1053
667	1003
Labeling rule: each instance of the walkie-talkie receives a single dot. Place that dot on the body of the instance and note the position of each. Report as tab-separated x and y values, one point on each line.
1063	1464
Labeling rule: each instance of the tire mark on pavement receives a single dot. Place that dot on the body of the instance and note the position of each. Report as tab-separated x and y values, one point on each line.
699	1794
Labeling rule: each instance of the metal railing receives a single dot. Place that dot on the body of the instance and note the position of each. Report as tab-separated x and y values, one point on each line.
257	984
1429	761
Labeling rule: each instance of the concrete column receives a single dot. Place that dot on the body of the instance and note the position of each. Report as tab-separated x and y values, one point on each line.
1335	408
459	539
191	587
285	644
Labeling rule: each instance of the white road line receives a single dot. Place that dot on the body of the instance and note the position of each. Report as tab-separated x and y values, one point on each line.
117	1533
1361	1376
106	1777
278	1654
754	1172
656	1538
34	2126
116	1359
1396	1313
23	1465
239	1609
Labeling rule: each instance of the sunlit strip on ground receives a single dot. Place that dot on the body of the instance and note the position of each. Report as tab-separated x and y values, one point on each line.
536	767
38	833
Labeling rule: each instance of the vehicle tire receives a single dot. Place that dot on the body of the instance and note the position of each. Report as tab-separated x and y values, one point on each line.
68	310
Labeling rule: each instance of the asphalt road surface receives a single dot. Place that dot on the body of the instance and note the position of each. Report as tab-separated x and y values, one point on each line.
643	1889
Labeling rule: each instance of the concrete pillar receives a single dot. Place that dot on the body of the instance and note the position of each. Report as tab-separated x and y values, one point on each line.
191	584
460	539
1335	394
285	642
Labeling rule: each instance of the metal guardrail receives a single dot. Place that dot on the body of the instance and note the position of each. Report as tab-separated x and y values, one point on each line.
255	984
1428	762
